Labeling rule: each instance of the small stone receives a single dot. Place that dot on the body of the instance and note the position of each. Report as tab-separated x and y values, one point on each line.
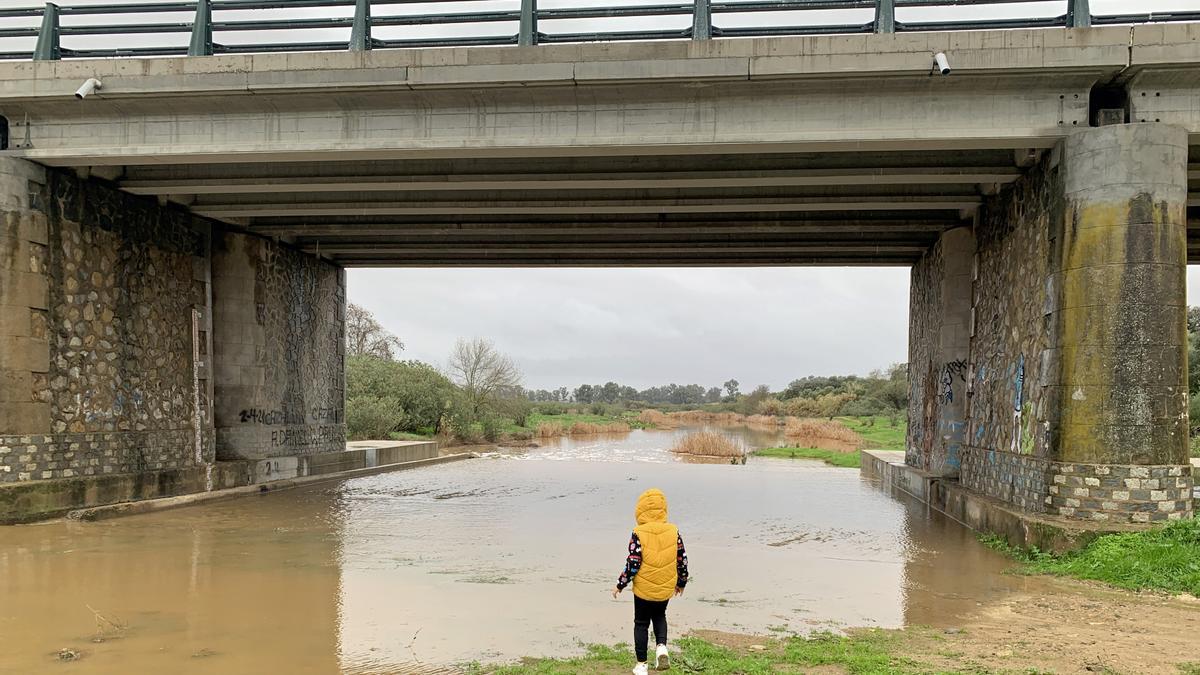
758	648
65	654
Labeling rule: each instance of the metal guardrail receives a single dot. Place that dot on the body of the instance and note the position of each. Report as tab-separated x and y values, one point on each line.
702	12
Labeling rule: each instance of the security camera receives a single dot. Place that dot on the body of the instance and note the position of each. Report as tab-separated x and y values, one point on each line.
89	87
941	63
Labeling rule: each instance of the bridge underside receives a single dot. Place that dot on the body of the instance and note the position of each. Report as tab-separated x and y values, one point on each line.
824	150
723	209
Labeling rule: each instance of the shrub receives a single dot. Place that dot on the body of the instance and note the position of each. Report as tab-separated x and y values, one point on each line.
372	417
422	392
770	406
490	424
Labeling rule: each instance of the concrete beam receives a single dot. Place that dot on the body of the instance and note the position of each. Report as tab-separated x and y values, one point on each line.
616	231
597	181
765	260
586	206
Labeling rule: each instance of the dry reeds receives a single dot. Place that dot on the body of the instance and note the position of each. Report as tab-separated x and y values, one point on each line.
818	429
656	418
554	429
708	444
762	421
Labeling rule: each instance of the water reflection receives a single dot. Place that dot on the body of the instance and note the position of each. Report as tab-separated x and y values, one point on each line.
490	559
240	586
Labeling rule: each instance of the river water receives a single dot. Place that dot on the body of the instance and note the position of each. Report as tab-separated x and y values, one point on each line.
509	555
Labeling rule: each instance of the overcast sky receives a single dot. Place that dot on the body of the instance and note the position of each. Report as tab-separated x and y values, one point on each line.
639	327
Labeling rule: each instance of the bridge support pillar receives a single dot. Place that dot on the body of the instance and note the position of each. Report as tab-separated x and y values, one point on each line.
942	287
140	343
279	350
1121	434
1075	380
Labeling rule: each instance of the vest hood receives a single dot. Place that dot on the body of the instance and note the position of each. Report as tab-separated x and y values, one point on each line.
651	507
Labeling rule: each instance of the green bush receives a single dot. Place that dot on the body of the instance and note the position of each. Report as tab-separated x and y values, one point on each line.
491	424
424	394
372	417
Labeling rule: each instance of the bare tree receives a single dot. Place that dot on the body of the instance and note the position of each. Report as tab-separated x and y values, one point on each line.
366	337
482	371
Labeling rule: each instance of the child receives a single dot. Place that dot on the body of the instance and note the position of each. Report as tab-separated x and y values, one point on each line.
658	567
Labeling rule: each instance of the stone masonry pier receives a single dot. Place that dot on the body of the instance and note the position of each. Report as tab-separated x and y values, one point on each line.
111	362
1049	347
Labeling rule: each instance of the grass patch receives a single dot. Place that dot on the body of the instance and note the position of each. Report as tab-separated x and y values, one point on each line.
406	436
1161	559
849	460
567	420
863	653
878	432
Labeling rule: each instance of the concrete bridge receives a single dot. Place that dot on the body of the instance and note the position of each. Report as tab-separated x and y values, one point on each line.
174	243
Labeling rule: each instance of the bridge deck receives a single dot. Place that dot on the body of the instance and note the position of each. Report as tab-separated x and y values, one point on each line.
765	151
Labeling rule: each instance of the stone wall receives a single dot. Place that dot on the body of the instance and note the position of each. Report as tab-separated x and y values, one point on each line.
924	322
1008	442
279	346
940	340
116	297
1075	380
108	357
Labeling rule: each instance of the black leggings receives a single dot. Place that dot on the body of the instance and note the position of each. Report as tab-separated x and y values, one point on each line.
644	612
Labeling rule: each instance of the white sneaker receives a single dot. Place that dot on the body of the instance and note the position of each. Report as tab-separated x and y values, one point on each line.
662	660
640	669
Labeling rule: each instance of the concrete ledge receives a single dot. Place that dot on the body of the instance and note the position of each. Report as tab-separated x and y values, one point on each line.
28	501
984	514
152	505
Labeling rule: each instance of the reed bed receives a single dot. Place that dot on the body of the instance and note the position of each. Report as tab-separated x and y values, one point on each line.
554	430
826	429
708	444
763	421
657	419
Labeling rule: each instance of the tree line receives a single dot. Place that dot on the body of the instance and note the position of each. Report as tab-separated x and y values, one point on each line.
882	392
480	390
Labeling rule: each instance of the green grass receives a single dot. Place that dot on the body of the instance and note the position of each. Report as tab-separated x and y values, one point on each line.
1195	445
566	420
1161	559
866	653
406	436
878	431
848	460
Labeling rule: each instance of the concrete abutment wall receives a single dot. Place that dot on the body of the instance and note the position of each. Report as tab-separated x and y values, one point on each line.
1075	377
139	339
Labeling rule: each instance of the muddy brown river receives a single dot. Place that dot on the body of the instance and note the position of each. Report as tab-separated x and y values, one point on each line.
490	559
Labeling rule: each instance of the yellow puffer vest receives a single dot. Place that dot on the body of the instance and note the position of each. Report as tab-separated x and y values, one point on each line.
657	577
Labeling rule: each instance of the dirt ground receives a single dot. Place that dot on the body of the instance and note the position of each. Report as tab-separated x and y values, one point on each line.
1086	628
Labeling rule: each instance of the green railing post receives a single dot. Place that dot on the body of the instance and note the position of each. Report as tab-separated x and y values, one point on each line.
701	20
528	34
202	43
885	16
360	34
1079	14
47	48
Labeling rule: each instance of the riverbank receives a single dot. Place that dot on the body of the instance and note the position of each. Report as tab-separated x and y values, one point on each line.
1082	629
847	460
1163	559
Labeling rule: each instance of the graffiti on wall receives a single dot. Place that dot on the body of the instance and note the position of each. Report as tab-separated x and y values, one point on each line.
952	371
1018	403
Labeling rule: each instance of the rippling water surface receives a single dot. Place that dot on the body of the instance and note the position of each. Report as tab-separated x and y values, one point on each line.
513	554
